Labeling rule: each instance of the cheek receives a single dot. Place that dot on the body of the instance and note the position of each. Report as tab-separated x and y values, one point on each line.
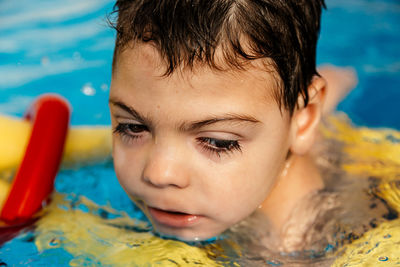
127	167
242	186
237	192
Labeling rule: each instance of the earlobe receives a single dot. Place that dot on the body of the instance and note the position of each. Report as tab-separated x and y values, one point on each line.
306	119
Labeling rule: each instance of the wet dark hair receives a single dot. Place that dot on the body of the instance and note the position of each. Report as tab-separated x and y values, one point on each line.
186	32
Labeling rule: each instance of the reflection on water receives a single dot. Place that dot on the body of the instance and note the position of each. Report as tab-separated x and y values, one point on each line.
353	220
66	47
103	236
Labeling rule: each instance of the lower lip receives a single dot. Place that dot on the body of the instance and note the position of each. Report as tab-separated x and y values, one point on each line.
173	219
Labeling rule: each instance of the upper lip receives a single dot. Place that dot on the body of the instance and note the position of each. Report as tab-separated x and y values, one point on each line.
167	207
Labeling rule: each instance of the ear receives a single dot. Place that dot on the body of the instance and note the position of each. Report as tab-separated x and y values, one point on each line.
305	119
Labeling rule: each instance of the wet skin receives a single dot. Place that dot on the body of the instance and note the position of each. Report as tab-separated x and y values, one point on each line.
198	151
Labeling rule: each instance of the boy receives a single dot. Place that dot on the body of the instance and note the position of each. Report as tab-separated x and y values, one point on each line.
214	107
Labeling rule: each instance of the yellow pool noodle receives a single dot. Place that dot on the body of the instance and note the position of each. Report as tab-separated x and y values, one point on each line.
84	144
4	189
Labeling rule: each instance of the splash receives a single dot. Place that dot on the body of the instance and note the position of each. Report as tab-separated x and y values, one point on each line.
100	236
371	153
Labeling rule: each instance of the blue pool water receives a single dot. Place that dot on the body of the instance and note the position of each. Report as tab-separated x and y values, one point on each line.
366	35
65	46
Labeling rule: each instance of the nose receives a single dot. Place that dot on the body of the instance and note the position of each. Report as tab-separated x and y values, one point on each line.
165	167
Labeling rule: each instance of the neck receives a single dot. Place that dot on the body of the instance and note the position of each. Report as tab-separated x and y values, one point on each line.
299	178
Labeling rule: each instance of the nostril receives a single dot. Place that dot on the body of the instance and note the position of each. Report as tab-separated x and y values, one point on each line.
169	176
153	182
162	182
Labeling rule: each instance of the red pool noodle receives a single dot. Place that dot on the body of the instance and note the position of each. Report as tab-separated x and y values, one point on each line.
34	180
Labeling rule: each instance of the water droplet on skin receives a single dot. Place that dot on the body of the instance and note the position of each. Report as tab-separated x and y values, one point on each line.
383	258
329	247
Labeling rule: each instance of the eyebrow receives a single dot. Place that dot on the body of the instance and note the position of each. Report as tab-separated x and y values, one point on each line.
189	126
230	117
130	110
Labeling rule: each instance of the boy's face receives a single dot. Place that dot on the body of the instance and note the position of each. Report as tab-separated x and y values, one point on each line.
197	151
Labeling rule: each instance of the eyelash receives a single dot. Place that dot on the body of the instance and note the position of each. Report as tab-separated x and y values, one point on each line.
125	130
213	145
219	146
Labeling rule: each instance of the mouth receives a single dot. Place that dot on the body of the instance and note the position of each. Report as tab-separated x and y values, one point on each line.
173	219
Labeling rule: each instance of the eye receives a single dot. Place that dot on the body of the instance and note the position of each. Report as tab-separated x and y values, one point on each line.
219	146
130	131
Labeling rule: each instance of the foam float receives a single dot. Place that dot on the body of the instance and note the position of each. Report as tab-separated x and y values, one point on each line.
38	145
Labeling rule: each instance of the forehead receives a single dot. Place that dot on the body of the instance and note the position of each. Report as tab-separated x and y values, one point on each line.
145	60
139	80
